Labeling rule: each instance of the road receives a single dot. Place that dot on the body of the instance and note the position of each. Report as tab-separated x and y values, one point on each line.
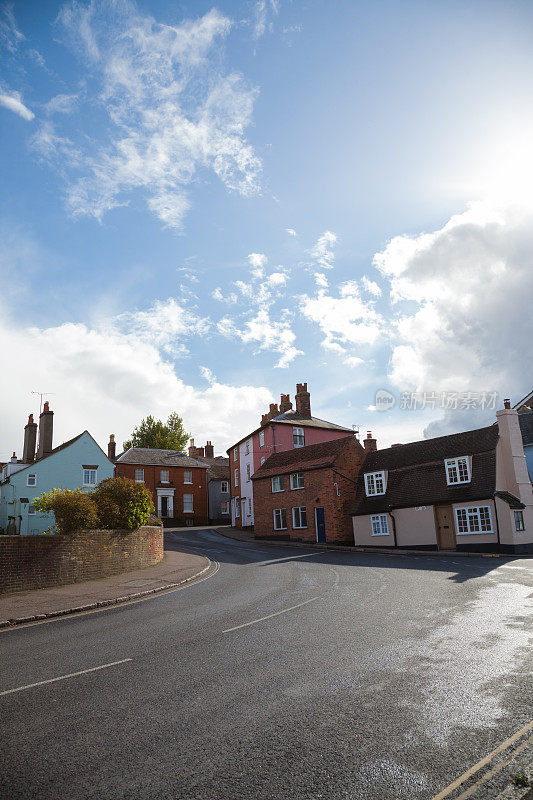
284	675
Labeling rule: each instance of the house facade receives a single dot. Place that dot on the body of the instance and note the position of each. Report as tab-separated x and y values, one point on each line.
178	483
307	494
525	418
78	463
468	491
218	492
281	429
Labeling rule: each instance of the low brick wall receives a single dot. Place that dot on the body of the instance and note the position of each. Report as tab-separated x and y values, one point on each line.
38	562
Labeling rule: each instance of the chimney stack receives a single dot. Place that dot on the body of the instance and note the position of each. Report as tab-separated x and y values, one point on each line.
370	443
192	448
14	458
111	447
209	450
30	441
46	430
285	404
273	411
265	419
303	400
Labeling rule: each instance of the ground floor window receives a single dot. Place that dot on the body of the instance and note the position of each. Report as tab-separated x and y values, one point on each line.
380	525
89	477
473	520
519	520
280	519
187	504
31	509
237	507
224	507
299	517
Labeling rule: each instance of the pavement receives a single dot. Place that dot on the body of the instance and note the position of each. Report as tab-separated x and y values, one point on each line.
175	569
283	672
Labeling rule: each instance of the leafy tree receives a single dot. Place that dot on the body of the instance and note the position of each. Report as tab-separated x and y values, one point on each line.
121	503
73	509
154	433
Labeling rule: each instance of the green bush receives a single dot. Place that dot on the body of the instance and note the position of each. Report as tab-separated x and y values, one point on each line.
122	503
73	509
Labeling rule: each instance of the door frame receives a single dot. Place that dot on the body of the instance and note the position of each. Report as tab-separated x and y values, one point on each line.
316	524
437	525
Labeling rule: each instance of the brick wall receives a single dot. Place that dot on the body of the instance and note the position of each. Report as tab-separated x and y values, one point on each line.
198	489
37	562
331	488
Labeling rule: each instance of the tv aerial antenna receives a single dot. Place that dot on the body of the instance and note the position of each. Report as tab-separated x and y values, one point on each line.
41	395
355	429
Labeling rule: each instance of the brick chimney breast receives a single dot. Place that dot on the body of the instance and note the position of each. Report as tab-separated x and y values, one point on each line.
209	450
30	441
303	400
46	431
274	411
370	443
285	404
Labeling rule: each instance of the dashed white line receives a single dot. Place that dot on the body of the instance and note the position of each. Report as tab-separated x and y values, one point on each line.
269	616
63	677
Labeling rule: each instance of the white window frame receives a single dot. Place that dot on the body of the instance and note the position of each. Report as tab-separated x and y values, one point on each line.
31	475
186	503
473	520
235	454
299	512
247	447
280	515
248	473
237	507
185	473
224	507
263	459
298	437
236	476
31	510
261	438
224	487
297	480
519	524
137	478
375	483
457	470
167	473
379	524
90	472
280	483
249	506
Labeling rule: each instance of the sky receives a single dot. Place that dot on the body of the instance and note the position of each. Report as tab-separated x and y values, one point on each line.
202	205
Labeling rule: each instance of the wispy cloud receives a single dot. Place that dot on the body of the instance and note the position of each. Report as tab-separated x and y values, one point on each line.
274	335
264	11
10	36
13	102
172	111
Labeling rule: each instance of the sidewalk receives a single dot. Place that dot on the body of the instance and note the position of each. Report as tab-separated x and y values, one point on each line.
175	569
244	536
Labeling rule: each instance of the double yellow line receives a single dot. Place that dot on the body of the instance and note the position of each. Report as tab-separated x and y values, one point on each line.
484	761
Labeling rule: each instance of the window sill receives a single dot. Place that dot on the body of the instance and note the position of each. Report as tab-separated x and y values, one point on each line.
375	494
299	527
280	529
380	534
474	533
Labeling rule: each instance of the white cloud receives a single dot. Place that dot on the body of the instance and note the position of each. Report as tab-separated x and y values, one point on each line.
13	102
217	294
276	336
468	288
291	231
62	104
261	20
165	325
257	262
323	253
277	279
106	378
10	36
371	287
172	111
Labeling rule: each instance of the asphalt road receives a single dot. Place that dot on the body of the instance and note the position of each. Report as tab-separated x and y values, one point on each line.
382	677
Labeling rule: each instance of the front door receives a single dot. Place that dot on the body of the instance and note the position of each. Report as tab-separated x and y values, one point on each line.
164	506
320	525
445	528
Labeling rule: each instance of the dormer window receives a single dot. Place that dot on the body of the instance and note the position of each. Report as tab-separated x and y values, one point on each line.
457	470
375	483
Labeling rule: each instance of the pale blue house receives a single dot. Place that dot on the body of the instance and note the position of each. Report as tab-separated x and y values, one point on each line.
525	417
79	462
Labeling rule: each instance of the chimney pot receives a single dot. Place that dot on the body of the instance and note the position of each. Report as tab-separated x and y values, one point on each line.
209	450
285	404
14	458
369	443
507	403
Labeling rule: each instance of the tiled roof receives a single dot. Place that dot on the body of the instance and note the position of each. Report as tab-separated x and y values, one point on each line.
218	467
293	418
416	474
313	456
148	456
526	427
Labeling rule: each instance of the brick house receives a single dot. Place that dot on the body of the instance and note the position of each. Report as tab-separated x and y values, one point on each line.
281	429
218	493
307	494
177	482
467	491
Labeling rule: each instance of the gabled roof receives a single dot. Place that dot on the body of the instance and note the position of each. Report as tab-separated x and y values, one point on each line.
218	467
416	474
313	456
57	450
525	404
153	457
526	427
293	418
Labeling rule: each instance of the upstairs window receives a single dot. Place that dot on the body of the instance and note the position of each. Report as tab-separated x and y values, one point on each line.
297	480
139	475
261	438
248	473
248	447
380	525
374	483
236	476
278	483
473	520
457	470
164	476
89	477
187	476
235	454
224	487
188	504
280	519
298	437
31	479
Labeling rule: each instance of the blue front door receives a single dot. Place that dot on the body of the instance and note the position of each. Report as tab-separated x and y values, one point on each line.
320	525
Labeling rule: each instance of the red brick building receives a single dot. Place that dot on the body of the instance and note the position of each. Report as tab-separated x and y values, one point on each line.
307	494
178	483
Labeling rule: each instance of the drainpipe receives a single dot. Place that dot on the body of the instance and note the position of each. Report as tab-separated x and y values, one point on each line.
393	526
497	520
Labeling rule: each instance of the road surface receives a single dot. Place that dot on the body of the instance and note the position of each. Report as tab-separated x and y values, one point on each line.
284	674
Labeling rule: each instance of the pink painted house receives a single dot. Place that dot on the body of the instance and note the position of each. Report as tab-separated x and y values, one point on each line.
281	429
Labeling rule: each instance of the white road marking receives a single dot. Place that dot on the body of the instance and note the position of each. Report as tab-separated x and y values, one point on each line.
290	558
63	677
268	616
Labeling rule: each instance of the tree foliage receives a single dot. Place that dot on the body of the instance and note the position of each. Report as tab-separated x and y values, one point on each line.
73	509
160	435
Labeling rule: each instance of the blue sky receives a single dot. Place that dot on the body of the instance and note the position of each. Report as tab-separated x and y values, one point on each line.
202	205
